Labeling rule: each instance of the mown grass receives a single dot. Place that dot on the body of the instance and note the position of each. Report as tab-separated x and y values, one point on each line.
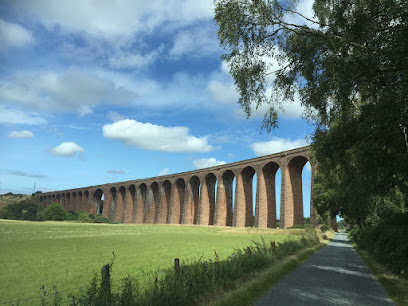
65	254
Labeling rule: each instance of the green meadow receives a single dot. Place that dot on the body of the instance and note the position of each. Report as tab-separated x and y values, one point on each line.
66	254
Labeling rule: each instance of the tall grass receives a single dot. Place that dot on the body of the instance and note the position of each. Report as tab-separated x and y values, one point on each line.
190	282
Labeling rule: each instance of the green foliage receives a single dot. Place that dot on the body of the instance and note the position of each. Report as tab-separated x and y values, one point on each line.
387	241
100	219
341	224
84	217
26	210
350	69
54	212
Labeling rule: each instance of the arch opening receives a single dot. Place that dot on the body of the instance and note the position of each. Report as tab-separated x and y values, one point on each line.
190	214
97	202
266	213
120	202
207	199
138	214
151	203
294	214
177	204
243	214
225	199
129	205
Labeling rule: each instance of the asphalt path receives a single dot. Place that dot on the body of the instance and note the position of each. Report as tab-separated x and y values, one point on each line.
334	275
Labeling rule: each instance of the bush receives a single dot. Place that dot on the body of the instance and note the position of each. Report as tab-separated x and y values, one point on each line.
84	217
54	212
100	219
388	242
26	210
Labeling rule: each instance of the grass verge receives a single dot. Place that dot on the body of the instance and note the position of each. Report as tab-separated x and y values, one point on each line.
396	286
248	292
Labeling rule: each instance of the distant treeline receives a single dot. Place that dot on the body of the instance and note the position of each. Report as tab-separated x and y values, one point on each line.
32	210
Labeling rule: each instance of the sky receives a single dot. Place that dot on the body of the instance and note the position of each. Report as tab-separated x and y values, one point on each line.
94	92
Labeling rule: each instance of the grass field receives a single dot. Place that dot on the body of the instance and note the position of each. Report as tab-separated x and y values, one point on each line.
66	254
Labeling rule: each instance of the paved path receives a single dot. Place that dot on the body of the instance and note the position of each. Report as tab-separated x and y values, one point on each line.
335	275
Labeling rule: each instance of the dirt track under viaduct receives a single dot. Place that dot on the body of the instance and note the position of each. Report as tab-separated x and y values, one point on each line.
203	197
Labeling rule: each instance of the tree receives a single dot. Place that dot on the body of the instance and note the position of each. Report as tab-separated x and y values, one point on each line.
349	67
54	212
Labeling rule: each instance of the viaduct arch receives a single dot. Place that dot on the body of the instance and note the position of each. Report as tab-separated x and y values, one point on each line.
203	197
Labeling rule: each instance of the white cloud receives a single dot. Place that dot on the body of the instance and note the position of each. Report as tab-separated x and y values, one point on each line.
13	116
155	137
132	60
207	162
114	116
14	35
66	149
84	110
223	92
304	7
287	110
24	174
77	127
165	171
111	19
198	41
21	134
276	145
308	167
71	90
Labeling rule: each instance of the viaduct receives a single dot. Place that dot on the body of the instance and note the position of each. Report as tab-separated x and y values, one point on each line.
203	197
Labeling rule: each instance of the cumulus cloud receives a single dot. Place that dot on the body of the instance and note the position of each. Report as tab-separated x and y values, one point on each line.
276	145
24	174
21	134
207	162
155	137
66	149
14	35
165	171
71	90
13	116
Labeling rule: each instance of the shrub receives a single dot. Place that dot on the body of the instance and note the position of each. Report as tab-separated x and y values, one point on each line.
388	242
84	217
26	210
54	212
100	219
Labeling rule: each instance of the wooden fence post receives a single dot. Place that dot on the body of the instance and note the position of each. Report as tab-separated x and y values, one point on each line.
176	265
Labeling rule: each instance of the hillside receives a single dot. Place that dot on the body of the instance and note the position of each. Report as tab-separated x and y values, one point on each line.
8	198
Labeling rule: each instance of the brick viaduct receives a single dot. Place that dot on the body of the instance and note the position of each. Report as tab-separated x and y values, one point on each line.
203	197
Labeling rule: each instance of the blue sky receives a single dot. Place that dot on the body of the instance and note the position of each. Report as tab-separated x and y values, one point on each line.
93	92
